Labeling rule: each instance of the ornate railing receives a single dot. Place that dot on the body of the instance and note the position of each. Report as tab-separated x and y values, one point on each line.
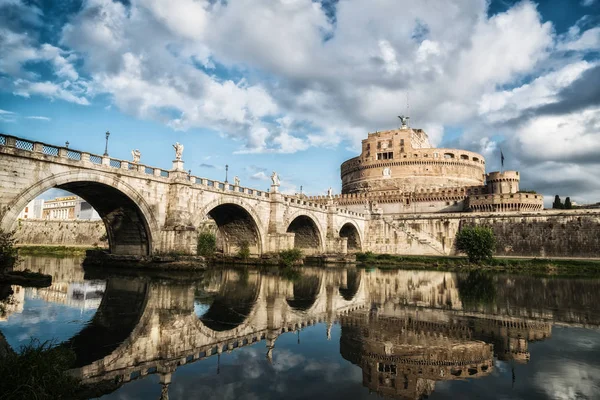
95	160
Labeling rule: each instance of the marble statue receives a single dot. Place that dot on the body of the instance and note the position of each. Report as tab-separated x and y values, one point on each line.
136	156
275	178
236	181
178	150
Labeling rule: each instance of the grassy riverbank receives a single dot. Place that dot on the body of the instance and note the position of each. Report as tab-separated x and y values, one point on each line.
53	251
534	266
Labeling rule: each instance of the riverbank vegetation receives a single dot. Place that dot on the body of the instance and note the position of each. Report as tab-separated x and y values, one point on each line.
38	371
53	251
542	266
477	242
206	244
8	251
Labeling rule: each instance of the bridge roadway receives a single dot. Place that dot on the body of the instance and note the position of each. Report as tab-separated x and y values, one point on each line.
148	210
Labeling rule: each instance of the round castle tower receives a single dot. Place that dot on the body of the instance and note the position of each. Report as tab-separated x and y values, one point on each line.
503	182
403	159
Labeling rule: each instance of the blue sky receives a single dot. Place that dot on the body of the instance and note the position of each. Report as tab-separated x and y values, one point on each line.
294	85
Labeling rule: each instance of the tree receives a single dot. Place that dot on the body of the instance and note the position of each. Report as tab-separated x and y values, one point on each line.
557	203
478	242
568	204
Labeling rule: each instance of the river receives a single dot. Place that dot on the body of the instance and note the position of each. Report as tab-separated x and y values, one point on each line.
329	333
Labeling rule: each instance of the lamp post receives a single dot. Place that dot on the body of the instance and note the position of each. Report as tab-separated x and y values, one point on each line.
226	170
106	147
67	144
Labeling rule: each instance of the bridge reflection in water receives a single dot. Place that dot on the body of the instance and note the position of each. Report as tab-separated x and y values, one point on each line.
406	330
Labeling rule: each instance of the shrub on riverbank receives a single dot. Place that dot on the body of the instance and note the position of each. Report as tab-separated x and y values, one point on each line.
207	244
8	251
244	250
38	371
287	258
477	242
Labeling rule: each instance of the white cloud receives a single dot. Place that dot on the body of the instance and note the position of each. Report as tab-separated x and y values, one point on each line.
587	3
38	117
259	176
5	112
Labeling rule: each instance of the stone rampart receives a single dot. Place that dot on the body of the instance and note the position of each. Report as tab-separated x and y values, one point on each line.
60	233
564	233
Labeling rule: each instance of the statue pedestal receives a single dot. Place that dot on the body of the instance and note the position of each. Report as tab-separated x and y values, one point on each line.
177	165
274	188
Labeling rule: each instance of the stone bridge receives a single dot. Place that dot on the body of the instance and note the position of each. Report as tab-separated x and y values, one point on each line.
149	210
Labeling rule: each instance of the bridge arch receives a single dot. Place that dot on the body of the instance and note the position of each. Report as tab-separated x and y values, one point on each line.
350	230
130	223
308	233
237	222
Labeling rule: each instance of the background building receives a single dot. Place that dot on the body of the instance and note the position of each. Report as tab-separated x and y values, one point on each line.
60	208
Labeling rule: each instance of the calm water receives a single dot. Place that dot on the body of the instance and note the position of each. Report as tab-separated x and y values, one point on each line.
324	333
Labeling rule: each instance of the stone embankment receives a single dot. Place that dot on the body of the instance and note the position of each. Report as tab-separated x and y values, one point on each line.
40	232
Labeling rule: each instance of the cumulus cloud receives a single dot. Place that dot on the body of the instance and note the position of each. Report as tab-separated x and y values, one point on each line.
285	76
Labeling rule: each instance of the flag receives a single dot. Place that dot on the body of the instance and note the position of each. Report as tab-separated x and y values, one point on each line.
502	158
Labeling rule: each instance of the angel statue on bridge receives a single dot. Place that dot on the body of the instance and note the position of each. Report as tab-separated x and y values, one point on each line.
275	178
178	150
136	156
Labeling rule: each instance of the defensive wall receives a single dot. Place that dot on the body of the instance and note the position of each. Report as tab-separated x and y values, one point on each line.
47	232
548	233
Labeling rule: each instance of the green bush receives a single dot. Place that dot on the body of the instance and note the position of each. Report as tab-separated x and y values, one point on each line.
289	257
244	250
8	251
366	257
38	371
478	242
207	244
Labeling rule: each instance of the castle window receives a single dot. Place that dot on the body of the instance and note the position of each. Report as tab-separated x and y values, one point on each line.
401	142
475	159
464	157
402	149
435	155
448	155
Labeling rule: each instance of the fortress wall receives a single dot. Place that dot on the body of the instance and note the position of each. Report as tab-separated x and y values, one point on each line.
60	233
564	233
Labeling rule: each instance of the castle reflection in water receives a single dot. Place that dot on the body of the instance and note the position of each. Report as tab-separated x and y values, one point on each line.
406	330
